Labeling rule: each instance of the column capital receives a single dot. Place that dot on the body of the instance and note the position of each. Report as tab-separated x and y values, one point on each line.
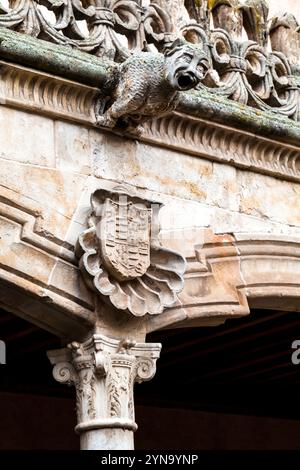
103	371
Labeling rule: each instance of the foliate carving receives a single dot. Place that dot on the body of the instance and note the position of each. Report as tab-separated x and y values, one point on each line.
106	20
122	259
104	371
255	20
113	392
148	85
247	74
228	15
199	12
84	381
235	17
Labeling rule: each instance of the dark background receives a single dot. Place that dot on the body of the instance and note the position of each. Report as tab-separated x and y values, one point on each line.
218	388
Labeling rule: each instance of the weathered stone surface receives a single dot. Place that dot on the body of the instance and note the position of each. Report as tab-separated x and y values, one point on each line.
72	148
149	167
241	72
148	84
57	192
269	198
26	137
57	59
58	98
209	178
121	256
52	204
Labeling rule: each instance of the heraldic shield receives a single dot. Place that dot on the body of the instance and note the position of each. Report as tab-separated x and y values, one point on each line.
125	233
121	257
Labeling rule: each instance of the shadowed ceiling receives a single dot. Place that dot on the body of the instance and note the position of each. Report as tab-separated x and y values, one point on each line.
243	366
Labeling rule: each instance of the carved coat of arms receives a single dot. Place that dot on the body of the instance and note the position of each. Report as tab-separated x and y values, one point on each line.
122	259
125	231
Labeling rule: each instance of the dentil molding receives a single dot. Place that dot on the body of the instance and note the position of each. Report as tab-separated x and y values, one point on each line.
60	98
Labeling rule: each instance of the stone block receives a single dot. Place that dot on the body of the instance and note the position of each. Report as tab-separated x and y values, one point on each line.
26	137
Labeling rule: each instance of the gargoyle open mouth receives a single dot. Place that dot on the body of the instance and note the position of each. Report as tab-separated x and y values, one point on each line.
186	80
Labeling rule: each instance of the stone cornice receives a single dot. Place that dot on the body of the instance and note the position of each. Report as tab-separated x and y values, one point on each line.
207	105
57	97
251	58
63	61
217	142
92	71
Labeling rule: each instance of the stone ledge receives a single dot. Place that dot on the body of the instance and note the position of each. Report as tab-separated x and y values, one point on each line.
61	60
84	68
53	96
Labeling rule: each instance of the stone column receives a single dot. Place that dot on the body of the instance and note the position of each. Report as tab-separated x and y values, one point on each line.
133	277
103	371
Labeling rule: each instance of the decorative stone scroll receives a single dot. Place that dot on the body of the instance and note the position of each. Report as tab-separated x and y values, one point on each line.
105	21
122	259
103	371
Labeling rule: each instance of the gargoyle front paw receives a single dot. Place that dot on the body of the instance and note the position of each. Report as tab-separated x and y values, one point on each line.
136	131
105	121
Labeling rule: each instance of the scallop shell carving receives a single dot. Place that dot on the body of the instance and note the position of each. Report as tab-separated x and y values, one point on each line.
139	287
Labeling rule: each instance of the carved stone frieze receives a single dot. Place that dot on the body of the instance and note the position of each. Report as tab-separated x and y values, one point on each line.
241	66
122	259
225	144
103	371
56	97
106	21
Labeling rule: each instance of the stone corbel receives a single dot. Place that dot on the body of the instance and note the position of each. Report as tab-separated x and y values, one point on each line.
103	371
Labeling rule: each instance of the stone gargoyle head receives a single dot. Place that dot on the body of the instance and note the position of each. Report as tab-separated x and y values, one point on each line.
148	85
186	65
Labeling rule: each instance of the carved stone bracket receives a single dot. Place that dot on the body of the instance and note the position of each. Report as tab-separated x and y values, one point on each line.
103	371
122	259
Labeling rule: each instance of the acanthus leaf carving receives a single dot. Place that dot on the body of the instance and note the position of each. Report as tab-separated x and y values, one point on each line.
255	21
83	363
105	399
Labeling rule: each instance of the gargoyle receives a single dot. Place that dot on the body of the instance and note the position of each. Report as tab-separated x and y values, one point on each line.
148	85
